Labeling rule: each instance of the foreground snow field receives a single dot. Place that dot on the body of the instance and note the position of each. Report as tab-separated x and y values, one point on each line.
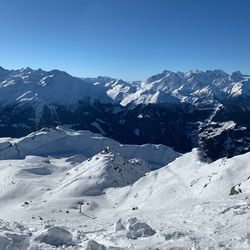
131	197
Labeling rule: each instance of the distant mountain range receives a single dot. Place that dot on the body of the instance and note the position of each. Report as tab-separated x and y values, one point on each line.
208	110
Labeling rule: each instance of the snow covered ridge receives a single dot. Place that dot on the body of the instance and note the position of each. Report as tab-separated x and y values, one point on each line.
61	141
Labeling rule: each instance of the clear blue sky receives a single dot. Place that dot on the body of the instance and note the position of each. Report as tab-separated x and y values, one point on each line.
129	39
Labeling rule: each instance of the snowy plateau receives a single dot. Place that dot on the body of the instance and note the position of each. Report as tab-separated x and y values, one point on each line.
103	164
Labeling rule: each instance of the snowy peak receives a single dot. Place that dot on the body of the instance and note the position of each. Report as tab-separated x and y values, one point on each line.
52	87
237	76
166	74
104	170
193	87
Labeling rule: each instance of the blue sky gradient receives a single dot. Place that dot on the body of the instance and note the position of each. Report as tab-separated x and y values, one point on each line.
129	39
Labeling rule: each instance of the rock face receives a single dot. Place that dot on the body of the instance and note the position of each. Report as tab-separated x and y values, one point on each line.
208	110
235	190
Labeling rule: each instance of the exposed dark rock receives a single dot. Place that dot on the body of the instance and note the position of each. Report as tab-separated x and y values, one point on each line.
235	190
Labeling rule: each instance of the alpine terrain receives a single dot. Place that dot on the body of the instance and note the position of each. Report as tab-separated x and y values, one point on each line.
105	164
207	110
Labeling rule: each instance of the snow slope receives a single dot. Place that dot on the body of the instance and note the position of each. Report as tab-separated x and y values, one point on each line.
184	204
104	170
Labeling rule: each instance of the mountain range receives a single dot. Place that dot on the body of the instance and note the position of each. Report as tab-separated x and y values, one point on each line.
101	163
203	109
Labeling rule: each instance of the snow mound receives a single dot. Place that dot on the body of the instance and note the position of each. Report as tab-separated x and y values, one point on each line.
13	236
93	245
55	236
134	228
119	226
175	235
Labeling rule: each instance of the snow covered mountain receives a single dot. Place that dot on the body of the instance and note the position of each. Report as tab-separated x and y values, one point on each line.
186	110
195	87
40	88
91	193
